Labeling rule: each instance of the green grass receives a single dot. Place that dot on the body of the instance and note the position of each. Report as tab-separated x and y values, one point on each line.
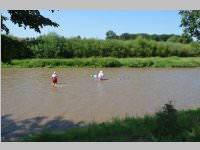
131	129
107	62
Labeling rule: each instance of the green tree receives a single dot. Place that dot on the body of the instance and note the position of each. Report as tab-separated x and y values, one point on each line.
180	39
27	18
23	18
50	46
111	35
13	48
190	22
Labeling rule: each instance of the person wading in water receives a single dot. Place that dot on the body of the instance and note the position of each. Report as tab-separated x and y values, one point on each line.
54	78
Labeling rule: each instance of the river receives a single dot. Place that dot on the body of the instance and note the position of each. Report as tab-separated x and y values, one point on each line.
27	93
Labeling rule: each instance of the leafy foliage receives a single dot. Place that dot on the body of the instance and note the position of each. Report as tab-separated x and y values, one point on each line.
13	48
156	37
191	23
111	35
27	18
55	46
166	122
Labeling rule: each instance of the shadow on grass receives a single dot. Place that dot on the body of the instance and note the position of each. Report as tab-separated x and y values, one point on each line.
12	130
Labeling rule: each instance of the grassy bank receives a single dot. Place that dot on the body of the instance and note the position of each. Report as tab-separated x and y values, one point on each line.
107	62
168	125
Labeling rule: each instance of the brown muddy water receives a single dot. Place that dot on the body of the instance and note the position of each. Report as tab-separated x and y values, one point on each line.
28	99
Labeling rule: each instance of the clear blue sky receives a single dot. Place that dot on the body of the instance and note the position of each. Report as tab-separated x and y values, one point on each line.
95	23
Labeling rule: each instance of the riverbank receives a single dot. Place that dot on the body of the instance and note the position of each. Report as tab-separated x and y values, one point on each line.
161	62
167	125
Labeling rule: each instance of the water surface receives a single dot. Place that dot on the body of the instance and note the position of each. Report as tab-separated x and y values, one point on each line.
27	93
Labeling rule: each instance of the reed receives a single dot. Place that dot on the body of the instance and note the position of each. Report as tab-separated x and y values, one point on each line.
161	62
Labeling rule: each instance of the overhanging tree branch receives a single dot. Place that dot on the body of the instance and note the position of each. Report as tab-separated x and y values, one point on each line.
27	18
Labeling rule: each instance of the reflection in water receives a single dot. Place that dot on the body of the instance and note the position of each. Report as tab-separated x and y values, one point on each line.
27	93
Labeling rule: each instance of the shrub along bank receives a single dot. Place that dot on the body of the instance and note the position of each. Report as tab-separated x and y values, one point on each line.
107	62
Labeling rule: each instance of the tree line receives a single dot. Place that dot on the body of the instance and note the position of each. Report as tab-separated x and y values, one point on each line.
156	37
53	45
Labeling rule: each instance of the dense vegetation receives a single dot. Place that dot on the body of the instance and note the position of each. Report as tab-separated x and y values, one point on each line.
56	46
156	37
167	125
107	62
11	48
190	21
